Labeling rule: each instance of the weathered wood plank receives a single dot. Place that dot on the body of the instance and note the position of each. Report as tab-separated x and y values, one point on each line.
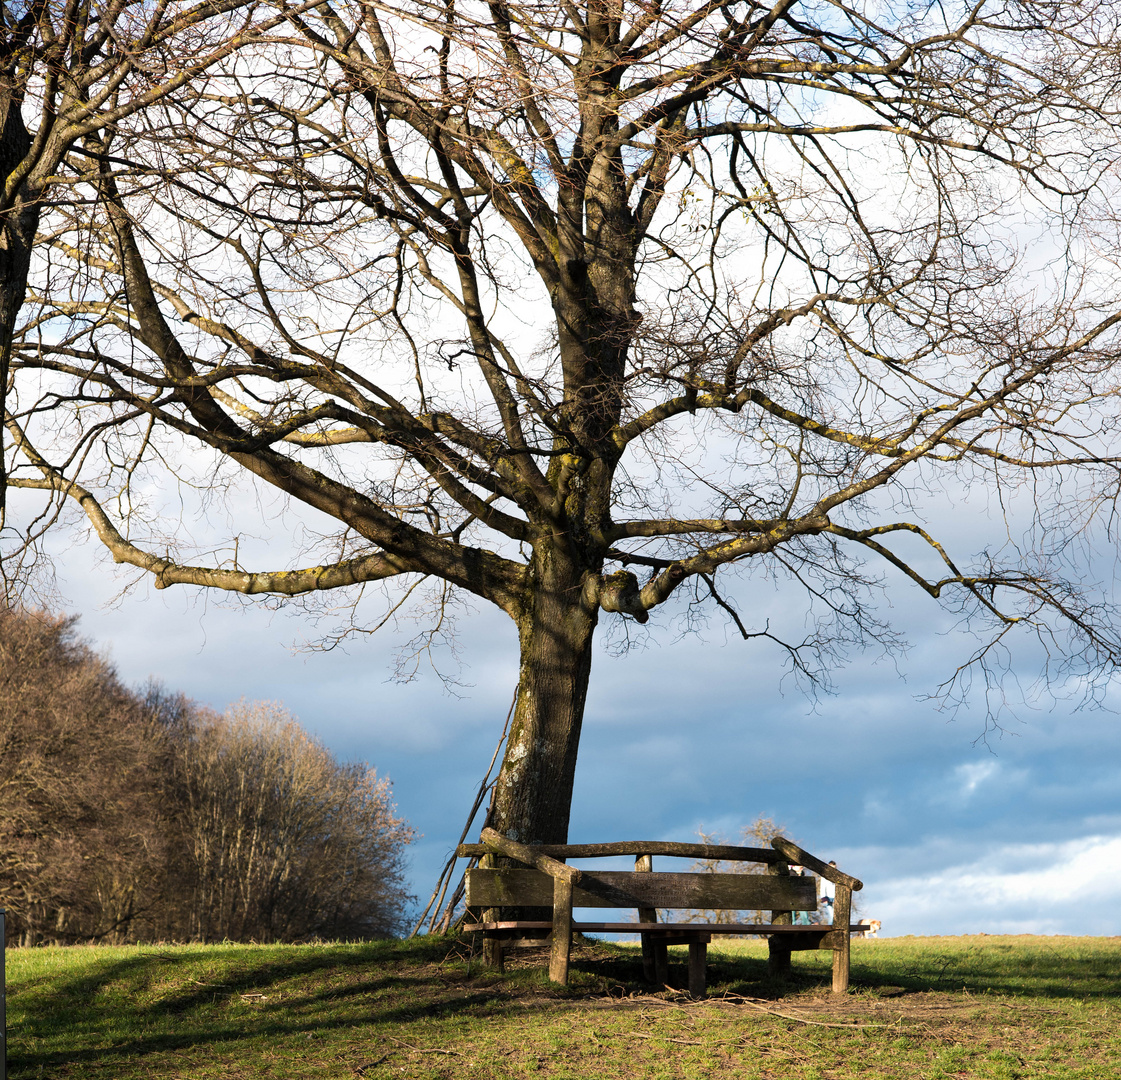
696	932
842	912
495	842
801	857
562	930
608	888
726	852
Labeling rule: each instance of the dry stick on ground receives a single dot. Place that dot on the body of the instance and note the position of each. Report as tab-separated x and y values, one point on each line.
677	1004
797	1019
710	1043
421	1049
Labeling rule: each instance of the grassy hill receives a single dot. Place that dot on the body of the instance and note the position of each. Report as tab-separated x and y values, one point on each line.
1007	1008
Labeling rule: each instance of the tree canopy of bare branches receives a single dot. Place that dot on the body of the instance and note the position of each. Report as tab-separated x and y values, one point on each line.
578	306
68	69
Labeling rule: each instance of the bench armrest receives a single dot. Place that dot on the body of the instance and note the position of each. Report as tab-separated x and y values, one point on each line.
496	842
803	858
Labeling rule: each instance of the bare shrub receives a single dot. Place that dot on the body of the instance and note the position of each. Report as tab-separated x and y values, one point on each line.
82	842
129	817
758	834
283	841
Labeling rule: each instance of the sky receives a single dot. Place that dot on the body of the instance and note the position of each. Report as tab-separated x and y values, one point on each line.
951	833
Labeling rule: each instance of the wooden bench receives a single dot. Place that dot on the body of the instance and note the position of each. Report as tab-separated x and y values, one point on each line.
545	881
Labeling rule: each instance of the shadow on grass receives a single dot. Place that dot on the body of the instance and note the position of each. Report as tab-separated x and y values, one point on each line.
1042	968
182	999
108	1006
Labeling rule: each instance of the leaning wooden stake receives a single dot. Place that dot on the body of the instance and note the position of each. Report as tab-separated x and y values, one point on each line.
498	843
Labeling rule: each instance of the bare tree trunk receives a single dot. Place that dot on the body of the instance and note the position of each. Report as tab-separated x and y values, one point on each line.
534	789
18	222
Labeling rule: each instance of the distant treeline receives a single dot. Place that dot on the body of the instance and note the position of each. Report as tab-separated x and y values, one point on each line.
144	817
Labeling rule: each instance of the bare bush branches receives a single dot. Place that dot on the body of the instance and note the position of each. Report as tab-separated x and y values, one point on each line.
283	842
127	818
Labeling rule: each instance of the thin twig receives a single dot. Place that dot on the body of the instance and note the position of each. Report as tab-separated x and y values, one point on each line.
444	879
422	1049
797	1019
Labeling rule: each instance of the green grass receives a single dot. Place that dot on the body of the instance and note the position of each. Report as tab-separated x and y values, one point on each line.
927	1008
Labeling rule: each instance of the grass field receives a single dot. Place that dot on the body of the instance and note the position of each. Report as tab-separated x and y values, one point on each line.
920	1009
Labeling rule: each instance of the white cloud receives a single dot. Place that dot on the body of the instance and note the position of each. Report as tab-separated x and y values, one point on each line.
972	774
1070	887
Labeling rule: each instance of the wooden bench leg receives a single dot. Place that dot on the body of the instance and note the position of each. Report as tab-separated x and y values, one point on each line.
698	951
644	864
778	951
778	957
562	931
492	944
492	953
648	958
842	913
661	964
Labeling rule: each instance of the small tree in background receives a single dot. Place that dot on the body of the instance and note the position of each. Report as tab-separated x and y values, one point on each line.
758	834
283	842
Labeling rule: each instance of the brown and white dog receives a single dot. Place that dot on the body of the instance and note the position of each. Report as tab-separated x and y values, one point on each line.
873	928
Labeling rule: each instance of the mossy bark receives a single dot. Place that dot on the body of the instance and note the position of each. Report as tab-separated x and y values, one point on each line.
533	794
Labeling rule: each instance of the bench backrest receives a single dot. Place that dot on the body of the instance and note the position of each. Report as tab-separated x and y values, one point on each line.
627	889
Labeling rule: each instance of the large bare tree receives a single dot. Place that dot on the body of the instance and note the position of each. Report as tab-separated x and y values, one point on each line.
576	306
